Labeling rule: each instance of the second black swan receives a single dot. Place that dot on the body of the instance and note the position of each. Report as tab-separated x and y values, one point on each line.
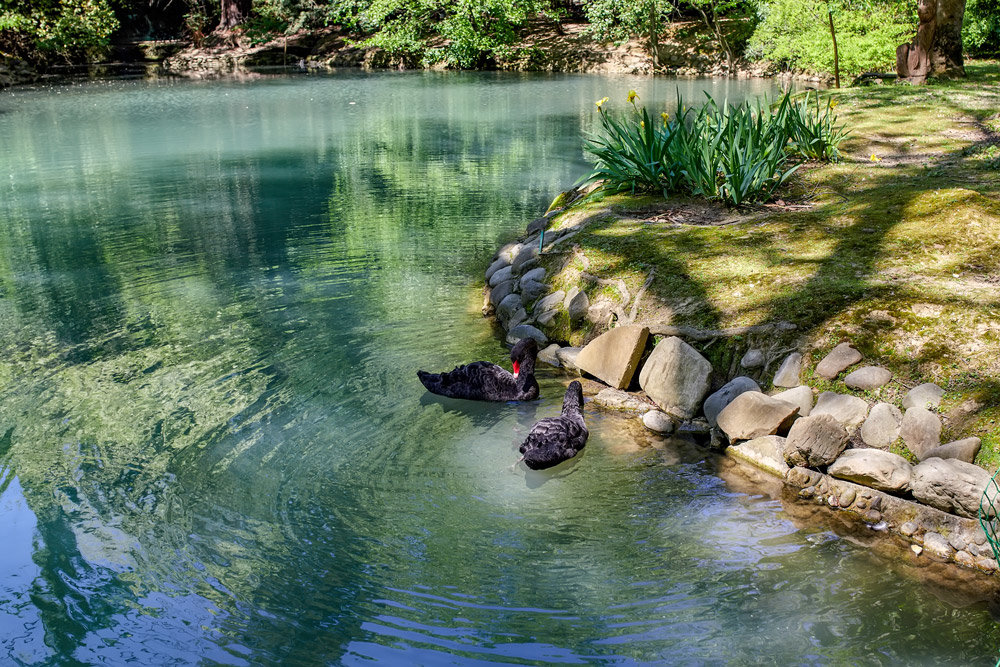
483	381
555	439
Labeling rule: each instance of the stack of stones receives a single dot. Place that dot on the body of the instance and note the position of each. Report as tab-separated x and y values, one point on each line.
834	447
518	296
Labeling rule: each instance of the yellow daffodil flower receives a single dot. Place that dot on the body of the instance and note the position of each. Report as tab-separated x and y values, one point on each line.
875	158
664	116
601	102
632	96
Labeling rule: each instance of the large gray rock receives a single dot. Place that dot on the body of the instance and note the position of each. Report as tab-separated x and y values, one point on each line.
927	395
839	359
531	291
867	378
509	251
501	291
500	276
801	396
551	302
754	358
526	258
550	355
496	266
510	305
520	316
616	399
536	275
963	450
715	403
753	415
614	356
789	371
577	303
658	421
880	470
567	357
920	430
675	376
950	485
766	452
526	331
881	429
848	410
814	441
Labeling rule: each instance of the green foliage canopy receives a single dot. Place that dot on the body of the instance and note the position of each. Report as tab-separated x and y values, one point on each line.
796	33
68	27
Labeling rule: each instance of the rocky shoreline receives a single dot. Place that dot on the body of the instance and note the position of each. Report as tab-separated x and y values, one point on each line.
882	464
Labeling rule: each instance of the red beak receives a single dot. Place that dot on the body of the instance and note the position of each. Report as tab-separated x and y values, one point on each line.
517	367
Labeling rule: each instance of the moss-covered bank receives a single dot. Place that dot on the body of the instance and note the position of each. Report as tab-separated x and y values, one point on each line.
896	249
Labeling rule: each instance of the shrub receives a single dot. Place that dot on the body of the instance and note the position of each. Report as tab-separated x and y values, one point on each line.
735	154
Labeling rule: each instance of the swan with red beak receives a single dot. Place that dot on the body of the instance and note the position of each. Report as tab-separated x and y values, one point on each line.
483	381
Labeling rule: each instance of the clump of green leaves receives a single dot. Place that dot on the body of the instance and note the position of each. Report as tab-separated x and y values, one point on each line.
65	27
734	153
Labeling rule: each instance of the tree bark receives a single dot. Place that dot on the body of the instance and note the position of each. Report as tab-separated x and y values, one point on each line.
234	12
836	53
936	51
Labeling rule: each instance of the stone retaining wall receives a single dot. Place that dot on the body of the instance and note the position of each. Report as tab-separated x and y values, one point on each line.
833	448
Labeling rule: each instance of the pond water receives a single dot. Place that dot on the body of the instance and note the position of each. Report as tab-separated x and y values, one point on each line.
214	448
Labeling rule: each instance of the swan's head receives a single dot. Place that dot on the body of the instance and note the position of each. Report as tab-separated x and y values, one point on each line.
523	354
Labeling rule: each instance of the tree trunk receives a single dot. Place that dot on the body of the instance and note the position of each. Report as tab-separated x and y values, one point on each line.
936	51
654	34
234	12
836	54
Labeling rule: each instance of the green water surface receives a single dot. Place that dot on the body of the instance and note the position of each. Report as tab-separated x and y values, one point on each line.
214	449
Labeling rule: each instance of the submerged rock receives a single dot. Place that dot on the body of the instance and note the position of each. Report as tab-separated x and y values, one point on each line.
656	420
766	452
616	399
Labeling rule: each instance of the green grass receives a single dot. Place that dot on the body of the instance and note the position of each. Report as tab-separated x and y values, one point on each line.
899	254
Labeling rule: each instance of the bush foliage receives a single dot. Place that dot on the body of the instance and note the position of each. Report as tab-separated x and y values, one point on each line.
734	153
796	33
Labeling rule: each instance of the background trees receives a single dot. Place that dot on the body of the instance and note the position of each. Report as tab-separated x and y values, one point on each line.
483	33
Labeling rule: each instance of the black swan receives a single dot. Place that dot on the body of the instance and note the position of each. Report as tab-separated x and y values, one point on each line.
483	381
555	439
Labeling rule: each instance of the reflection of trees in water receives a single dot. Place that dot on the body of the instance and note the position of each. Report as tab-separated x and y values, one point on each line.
165	329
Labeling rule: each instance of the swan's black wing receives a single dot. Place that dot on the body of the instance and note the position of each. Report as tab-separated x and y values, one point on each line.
553	440
478	381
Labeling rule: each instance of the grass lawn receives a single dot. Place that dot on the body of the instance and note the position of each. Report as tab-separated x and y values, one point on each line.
896	249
